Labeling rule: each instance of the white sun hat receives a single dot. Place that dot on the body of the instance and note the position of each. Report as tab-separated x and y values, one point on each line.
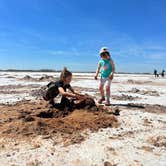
103	49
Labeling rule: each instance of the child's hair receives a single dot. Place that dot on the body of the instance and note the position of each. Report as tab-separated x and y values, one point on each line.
105	53
65	73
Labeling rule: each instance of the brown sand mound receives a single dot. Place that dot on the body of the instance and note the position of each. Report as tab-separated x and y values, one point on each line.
152	108
18	87
28	78
46	78
27	119
159	109
31	89
158	141
144	92
138	82
43	78
124	97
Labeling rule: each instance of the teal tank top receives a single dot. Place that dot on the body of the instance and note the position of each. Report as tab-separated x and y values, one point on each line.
106	68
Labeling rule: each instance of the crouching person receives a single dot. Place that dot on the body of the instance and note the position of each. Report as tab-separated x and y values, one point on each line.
60	87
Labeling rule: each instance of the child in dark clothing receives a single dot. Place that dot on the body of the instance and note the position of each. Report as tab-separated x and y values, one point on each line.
60	87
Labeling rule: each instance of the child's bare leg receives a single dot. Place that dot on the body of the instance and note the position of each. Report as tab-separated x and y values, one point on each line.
101	88
108	92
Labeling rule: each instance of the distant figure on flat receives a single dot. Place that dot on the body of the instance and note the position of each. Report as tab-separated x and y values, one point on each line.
163	73
155	73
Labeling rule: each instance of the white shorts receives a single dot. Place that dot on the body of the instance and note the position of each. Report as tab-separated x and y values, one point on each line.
105	81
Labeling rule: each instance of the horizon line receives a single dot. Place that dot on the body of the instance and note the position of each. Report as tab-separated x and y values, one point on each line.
53	70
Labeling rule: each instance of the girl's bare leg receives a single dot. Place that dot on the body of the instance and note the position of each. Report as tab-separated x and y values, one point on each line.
101	88
108	91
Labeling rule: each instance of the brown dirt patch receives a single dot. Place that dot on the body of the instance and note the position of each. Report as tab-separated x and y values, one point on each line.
159	109
158	141
139	82
107	163
42	78
152	108
147	122
27	119
147	148
32	89
144	92
124	97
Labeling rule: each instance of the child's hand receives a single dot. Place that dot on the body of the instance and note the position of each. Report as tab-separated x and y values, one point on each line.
111	76
95	77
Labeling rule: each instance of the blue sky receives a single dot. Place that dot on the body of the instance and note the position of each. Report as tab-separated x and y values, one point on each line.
37	34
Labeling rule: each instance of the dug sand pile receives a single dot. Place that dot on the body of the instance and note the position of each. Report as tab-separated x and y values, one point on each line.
29	120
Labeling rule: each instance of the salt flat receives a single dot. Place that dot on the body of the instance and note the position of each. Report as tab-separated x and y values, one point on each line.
139	140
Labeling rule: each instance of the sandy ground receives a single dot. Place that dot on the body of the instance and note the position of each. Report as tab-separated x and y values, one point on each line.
85	138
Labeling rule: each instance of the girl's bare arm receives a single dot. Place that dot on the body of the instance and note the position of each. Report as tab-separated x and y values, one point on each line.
97	70
73	91
113	65
113	69
66	94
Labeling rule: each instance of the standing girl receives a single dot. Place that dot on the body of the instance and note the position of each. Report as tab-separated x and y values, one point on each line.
106	68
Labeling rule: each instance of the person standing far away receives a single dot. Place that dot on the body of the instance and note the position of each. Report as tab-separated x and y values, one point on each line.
163	73
155	72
